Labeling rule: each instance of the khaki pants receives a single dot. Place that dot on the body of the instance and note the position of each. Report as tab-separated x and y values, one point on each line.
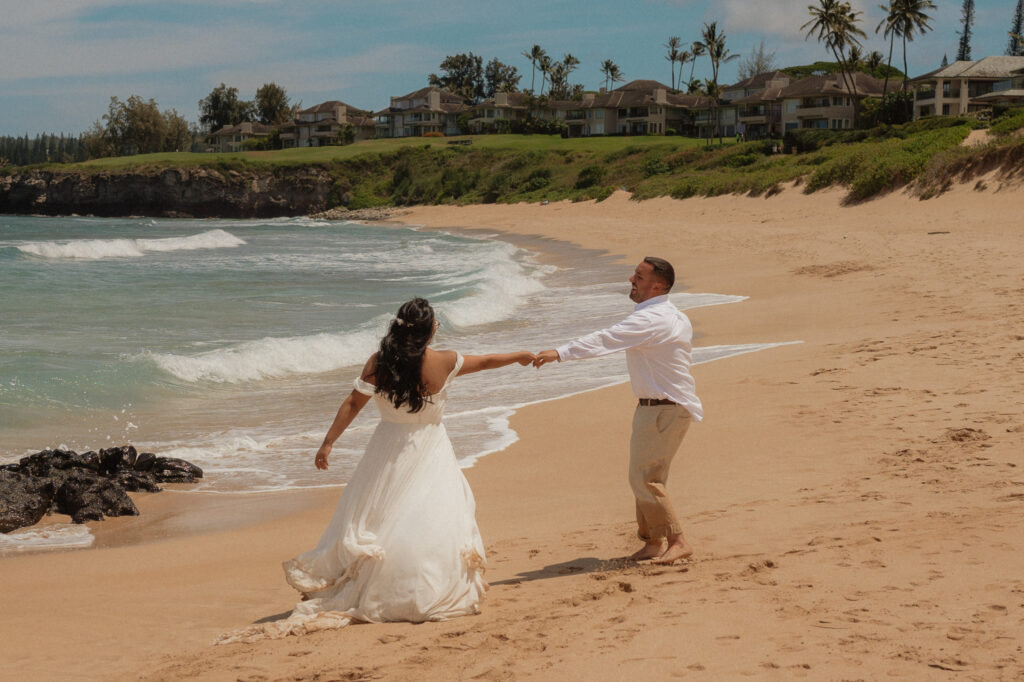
658	431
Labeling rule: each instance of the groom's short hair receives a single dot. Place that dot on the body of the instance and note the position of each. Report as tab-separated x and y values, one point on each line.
663	270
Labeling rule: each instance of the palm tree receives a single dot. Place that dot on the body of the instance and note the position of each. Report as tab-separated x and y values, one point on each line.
854	58
611	72
874	61
912	18
835	23
682	58
903	18
697	48
714	45
534	54
673	56
545	65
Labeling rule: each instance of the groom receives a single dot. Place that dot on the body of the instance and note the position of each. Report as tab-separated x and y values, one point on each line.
657	340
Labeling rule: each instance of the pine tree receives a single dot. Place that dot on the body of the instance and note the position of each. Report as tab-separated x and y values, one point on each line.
967	16
1016	46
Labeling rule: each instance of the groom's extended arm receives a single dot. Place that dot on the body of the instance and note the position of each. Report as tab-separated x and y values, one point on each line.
634	331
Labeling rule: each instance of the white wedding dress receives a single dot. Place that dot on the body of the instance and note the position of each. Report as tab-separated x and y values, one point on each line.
403	544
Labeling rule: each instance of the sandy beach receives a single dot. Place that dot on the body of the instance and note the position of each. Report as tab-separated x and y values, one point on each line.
854	500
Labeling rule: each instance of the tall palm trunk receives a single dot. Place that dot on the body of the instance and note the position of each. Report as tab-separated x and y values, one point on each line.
888	65
905	74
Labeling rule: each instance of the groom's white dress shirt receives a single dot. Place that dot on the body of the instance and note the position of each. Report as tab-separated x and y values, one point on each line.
657	338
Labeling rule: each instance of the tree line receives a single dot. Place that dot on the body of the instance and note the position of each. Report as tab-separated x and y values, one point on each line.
44	148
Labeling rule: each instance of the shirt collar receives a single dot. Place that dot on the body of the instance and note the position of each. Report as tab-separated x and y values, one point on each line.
653	300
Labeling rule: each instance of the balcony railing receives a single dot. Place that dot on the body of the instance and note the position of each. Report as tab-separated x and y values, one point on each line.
924	95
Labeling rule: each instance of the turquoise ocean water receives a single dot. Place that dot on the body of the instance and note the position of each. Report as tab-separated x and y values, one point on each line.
230	343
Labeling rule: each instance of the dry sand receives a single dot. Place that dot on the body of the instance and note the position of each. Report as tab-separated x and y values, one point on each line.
855	501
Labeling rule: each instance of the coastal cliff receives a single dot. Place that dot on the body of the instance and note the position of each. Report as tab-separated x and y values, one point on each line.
170	192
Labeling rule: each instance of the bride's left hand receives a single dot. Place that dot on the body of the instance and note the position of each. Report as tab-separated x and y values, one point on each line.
321	456
526	358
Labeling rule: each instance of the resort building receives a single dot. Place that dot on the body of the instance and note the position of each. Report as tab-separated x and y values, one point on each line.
428	110
964	87
758	103
1005	93
824	102
233	138
496	114
326	124
640	107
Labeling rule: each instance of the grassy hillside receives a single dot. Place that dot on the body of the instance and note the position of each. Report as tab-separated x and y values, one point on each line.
513	168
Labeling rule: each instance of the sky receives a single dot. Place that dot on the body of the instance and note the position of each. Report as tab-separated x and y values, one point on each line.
62	60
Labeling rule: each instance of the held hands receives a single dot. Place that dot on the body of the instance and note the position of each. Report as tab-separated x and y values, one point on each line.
525	357
544	357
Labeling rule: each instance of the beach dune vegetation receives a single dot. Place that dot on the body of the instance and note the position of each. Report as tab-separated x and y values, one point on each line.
534	168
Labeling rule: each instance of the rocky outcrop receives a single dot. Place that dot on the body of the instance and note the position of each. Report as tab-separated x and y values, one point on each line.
86	487
171	192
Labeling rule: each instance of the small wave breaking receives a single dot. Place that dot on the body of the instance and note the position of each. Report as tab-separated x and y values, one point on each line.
56	536
98	249
273	358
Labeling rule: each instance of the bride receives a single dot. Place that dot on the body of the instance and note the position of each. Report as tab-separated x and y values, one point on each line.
403	544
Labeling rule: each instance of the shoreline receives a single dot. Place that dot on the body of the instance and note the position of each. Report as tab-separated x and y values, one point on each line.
853	501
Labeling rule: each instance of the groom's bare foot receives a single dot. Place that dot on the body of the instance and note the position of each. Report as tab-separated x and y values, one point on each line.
648	551
677	549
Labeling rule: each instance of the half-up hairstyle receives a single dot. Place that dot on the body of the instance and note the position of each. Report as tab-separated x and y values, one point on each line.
400	357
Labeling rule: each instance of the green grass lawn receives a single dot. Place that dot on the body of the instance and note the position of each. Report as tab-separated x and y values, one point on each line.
317	155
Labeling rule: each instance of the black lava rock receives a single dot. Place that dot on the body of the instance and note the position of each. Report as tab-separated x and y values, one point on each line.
85	496
23	500
87	486
172	470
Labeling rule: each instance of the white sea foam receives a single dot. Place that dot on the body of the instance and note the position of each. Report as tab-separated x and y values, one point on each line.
98	249
56	536
274	358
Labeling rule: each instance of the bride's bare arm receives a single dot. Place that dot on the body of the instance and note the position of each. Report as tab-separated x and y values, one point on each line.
346	413
477	363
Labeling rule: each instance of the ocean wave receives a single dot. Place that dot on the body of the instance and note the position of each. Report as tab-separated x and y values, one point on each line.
98	249
274	358
497	289
56	536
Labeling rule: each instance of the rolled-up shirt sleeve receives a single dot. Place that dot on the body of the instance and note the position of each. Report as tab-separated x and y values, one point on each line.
633	331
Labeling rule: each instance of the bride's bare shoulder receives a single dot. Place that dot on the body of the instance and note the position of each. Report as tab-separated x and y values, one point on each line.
445	359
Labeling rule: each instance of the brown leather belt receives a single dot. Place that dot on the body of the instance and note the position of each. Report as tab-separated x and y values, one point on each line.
647	402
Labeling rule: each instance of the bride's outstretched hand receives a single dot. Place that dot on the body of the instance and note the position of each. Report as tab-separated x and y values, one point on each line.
526	358
321	456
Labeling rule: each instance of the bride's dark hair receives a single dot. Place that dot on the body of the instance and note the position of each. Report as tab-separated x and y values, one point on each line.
400	357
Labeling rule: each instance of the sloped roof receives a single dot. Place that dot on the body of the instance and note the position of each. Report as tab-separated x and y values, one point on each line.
255	128
331	106
425	92
643	85
1000	66
766	95
832	84
758	81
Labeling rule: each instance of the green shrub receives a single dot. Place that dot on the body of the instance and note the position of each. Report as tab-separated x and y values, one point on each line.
538	179
655	167
590	176
1009	122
